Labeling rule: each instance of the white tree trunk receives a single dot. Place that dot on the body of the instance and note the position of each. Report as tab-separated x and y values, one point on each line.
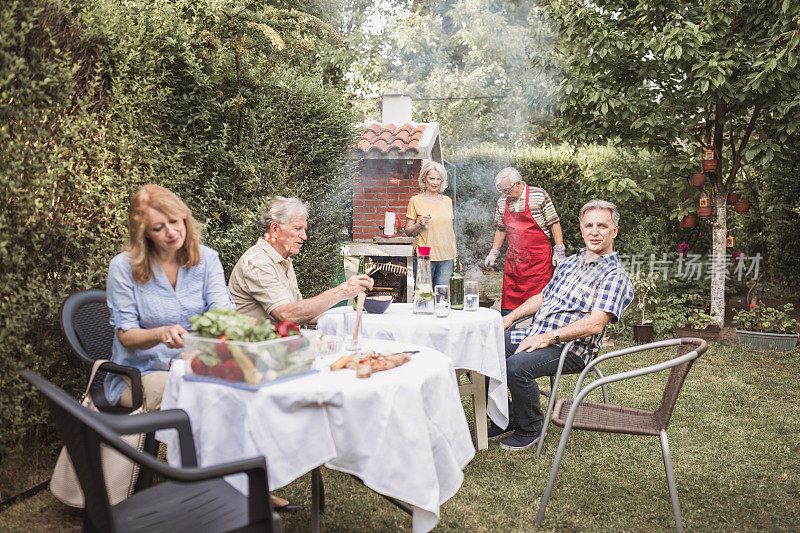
718	264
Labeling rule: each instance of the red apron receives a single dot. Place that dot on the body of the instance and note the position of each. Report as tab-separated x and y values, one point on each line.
529	258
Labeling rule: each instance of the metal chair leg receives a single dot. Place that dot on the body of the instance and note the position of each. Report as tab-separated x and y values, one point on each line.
550	403
316	499
673	489
605	391
562	444
553	395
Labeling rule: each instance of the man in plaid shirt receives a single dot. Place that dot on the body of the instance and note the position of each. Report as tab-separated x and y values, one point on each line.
588	290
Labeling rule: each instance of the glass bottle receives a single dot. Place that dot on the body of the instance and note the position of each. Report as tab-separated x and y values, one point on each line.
456	286
362	269
423	290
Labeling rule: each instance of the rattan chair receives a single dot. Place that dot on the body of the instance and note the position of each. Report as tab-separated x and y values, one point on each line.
554	381
593	416
193	500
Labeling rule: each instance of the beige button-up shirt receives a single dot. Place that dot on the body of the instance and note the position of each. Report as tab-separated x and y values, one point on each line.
263	280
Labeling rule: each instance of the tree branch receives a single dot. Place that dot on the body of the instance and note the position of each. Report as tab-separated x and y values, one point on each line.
717	142
737	160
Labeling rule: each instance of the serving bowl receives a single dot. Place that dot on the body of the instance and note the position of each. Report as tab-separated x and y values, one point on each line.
377	304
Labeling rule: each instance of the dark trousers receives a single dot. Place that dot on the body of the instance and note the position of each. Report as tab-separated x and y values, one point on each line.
522	369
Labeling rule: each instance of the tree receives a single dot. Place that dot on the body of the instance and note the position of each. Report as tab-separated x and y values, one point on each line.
681	77
483	69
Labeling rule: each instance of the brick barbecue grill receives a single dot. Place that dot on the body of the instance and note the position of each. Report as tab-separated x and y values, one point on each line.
393	152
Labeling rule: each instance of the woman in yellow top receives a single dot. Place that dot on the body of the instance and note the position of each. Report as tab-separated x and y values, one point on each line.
429	219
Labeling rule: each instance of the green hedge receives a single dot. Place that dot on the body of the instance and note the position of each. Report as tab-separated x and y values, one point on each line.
99	97
568	176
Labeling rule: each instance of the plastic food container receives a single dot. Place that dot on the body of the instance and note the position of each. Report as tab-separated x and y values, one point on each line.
251	365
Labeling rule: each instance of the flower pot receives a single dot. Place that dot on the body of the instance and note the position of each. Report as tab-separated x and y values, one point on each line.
742	206
780	342
705	212
709	333
689	221
698	180
733	198
710	165
643	332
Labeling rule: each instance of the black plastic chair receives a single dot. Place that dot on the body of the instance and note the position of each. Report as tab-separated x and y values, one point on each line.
85	323
194	500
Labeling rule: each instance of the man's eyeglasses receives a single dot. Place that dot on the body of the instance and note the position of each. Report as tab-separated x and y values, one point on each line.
506	190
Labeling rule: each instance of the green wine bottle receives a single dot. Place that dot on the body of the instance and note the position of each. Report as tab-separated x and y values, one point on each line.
456	286
362	269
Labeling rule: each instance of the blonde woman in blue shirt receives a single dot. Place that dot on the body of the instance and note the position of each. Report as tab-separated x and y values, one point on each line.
164	277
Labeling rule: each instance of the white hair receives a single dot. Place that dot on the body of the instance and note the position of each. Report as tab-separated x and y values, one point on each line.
429	167
509	172
281	210
600	204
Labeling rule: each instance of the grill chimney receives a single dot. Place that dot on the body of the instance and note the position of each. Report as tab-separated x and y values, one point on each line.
396	108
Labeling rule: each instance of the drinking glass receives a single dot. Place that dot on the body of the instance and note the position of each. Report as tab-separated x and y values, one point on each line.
351	344
470	295
441	300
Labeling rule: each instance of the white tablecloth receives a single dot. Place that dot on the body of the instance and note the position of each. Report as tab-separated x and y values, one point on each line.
402	432
472	339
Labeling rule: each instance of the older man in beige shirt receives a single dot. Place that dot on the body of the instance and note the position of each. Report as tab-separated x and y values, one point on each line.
263	282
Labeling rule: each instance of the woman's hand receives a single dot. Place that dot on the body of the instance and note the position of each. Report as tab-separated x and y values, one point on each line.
425	220
171	336
144	339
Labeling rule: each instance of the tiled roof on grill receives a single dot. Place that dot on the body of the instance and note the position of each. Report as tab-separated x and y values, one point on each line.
388	137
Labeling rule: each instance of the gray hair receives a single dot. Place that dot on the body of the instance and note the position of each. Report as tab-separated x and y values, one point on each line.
281	210
600	204
509	172
429	167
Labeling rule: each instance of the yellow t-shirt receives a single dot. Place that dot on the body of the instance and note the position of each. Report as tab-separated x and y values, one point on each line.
439	235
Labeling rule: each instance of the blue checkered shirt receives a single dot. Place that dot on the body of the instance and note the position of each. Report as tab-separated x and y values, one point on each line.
576	289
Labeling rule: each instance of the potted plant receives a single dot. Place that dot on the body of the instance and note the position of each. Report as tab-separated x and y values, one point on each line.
710	161
733	197
766	328
705	211
698	179
689	221
742	206
643	287
698	324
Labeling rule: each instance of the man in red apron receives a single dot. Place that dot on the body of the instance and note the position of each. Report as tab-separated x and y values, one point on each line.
527	216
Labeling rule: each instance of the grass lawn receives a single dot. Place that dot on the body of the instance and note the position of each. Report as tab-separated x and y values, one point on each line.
734	440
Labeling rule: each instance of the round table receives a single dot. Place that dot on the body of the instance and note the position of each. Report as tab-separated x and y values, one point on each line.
402	431
472	339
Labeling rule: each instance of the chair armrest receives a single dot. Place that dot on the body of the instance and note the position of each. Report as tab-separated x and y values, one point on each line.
150	422
617	353
518	321
658	367
133	374
259	505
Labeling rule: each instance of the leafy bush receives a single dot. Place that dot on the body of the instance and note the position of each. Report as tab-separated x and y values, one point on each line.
100	97
698	319
766	319
644	287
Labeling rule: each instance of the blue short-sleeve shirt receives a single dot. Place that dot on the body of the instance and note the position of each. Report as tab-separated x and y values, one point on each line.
155	303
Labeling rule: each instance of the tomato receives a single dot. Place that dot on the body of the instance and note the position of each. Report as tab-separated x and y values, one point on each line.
199	367
222	349
286	328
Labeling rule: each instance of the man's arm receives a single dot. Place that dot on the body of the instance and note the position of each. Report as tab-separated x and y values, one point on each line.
309	309
527	308
499	237
586	326
558	236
